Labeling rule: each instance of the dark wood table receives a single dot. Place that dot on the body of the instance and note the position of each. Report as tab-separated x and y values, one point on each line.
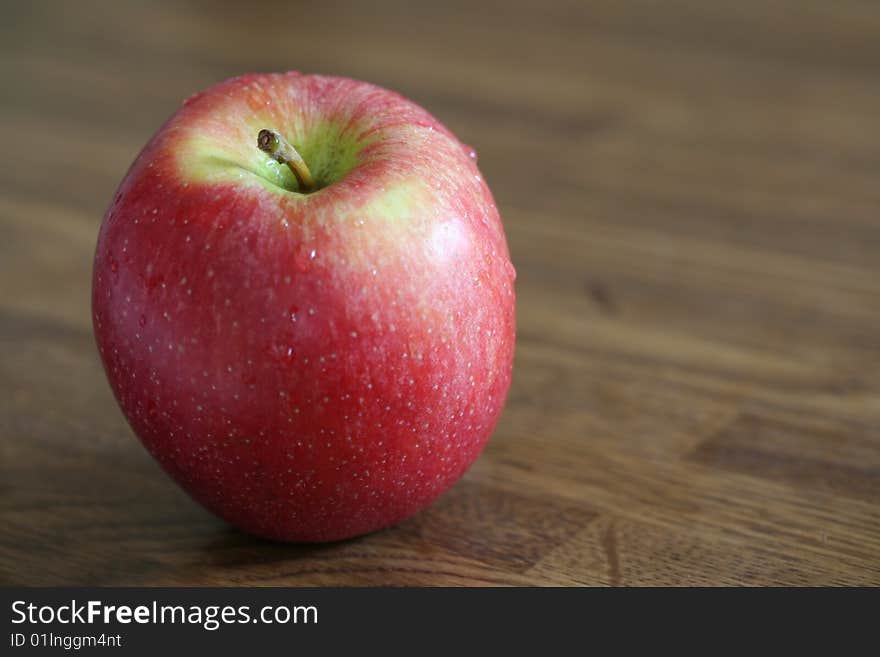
691	192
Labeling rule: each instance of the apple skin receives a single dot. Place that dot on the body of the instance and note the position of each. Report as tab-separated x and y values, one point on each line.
309	367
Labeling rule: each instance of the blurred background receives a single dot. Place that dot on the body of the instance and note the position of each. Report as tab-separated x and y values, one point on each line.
690	193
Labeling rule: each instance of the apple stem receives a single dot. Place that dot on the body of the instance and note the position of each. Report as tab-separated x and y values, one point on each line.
281	151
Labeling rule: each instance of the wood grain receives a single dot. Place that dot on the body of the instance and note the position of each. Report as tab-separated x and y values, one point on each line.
690	192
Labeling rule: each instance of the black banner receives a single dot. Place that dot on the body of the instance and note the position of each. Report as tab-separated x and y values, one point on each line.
240	621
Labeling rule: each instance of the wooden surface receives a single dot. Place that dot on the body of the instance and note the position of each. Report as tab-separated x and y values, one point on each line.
691	192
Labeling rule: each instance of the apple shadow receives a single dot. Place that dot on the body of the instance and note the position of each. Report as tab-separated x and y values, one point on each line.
232	547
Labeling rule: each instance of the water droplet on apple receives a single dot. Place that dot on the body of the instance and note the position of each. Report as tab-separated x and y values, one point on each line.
142	321
301	258
189	99
291	312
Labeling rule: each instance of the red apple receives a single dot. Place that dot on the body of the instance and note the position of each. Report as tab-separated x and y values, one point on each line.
310	358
